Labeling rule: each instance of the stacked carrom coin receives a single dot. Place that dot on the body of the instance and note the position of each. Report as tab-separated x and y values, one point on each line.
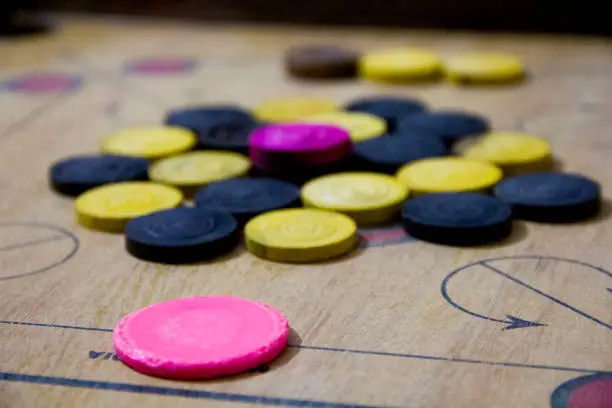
553	197
457	218
484	68
391	109
368	198
293	109
245	198
400	65
191	171
286	147
149	142
388	153
449	174
217	127
320	62
110	207
75	175
361	126
515	153
450	125
300	235
181	235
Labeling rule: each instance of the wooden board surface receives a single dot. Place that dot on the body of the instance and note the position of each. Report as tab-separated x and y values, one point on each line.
399	323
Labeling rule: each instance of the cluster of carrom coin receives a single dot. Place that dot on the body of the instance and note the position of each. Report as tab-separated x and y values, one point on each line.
403	65
359	165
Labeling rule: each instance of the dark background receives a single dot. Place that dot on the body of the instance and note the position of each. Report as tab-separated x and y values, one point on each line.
569	16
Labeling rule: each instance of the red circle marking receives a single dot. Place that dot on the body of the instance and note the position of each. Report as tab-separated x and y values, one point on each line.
200	337
161	66
44	83
595	394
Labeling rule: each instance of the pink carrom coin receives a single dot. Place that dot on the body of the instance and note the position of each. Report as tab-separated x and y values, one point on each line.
296	145
200	337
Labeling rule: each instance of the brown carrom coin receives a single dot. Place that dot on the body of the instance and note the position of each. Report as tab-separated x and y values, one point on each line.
320	62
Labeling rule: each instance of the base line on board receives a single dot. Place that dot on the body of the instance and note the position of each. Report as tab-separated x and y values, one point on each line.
357	351
173	391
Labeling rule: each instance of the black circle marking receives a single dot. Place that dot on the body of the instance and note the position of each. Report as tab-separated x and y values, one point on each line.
63	234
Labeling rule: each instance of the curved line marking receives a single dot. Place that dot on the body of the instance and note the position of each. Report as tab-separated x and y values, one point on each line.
561	394
64	231
484	262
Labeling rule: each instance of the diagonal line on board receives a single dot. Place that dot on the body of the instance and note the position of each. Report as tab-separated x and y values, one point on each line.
546	295
34	115
108	78
120	81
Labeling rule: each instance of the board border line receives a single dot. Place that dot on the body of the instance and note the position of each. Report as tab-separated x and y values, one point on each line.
355	351
173	391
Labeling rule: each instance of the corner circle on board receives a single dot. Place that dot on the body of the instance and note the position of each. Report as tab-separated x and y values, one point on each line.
42	83
161	66
70	246
514	322
537	258
590	391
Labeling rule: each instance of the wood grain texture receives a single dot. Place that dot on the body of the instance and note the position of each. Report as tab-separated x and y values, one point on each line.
371	329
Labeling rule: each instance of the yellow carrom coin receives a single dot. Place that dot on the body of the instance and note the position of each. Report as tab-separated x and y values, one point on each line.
300	235
368	198
150	143
515	153
193	170
110	207
361	126
400	65
484	68
448	174
293	109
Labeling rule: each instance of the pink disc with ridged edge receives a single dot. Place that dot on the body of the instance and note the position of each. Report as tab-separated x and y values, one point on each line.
200	337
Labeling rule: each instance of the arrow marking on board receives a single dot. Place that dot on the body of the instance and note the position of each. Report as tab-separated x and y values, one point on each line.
518	323
513	322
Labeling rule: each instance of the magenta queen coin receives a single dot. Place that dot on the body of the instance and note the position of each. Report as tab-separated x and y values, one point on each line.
277	147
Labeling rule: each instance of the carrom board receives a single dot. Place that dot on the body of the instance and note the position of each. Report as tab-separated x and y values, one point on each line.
399	323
